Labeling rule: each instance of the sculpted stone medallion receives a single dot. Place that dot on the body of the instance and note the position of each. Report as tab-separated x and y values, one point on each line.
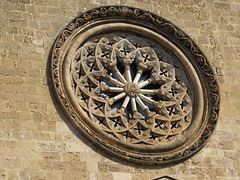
135	85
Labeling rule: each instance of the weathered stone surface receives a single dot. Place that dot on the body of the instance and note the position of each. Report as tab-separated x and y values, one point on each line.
36	140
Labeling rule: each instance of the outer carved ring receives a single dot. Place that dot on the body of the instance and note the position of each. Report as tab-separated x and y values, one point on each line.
177	42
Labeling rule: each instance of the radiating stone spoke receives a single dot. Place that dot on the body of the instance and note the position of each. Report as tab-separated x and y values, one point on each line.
147	91
144	83
120	77
137	77
116	82
116	98
128	75
141	104
125	102
124	105
145	98
133	104
115	89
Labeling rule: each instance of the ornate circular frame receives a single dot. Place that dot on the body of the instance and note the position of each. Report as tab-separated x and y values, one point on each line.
129	20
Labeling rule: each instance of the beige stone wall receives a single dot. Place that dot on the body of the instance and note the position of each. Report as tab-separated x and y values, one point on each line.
37	141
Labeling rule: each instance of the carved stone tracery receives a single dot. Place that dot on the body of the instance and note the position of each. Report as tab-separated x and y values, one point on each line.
161	117
158	115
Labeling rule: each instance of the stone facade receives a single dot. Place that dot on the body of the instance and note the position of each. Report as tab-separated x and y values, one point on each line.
37	141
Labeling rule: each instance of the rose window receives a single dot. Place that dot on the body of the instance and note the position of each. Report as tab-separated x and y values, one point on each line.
132	88
135	85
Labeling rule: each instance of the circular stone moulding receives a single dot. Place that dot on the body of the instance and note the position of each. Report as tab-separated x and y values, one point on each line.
135	84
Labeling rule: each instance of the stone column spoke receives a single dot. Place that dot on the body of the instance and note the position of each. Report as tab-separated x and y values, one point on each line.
116	82
141	104
116	98
144	83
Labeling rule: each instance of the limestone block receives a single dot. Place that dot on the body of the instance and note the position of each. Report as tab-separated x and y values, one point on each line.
121	176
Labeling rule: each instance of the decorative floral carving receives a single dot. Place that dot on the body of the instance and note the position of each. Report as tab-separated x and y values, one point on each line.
89	74
170	104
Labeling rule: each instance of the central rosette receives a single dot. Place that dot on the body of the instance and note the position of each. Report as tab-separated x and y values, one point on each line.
131	89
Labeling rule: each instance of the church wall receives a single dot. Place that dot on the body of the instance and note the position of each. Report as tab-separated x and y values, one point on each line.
37	141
